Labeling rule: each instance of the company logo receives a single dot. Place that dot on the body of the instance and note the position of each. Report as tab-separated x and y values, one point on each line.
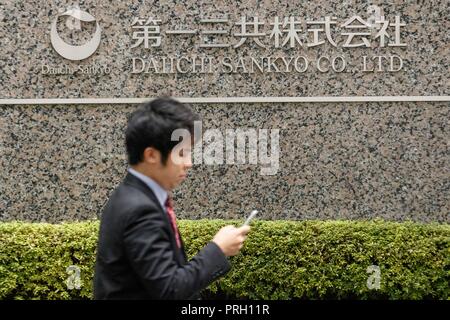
71	52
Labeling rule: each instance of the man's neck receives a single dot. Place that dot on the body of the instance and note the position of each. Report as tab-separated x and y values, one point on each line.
148	173
141	170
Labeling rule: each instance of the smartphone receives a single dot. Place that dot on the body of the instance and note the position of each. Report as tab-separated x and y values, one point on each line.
250	217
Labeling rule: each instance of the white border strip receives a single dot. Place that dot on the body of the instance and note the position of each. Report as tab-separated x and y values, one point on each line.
227	100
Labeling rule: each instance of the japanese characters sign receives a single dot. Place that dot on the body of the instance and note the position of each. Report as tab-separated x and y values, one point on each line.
248	44
289	33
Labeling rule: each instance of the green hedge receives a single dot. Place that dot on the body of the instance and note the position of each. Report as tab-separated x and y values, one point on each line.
280	260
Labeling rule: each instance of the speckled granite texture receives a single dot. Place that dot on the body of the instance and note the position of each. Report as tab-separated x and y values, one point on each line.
360	160
25	26
338	160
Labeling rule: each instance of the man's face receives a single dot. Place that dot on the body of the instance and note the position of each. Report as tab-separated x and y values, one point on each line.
174	171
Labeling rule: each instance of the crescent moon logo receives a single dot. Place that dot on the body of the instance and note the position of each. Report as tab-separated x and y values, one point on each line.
71	52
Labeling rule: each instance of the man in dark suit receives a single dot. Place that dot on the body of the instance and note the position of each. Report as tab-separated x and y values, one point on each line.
140	253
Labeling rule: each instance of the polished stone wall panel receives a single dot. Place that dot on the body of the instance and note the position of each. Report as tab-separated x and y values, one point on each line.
338	161
25	28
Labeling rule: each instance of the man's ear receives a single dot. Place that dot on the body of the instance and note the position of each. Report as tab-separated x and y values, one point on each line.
151	155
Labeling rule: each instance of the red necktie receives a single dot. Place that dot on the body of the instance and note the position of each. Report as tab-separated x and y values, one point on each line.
173	221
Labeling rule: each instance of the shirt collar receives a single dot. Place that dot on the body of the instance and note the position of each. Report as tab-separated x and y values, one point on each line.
160	193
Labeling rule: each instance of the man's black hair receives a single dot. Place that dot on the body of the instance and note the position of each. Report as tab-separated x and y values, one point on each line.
152	126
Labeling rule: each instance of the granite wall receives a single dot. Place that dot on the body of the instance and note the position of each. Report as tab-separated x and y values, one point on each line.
25	28
356	160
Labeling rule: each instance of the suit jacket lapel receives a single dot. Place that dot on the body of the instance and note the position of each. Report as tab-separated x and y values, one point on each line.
137	183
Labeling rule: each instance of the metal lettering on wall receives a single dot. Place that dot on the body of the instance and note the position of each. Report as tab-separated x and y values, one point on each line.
292	34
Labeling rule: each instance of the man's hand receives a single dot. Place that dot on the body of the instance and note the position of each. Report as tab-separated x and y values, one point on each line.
231	239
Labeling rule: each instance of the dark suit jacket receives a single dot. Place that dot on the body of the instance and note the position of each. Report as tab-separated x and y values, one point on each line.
137	255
